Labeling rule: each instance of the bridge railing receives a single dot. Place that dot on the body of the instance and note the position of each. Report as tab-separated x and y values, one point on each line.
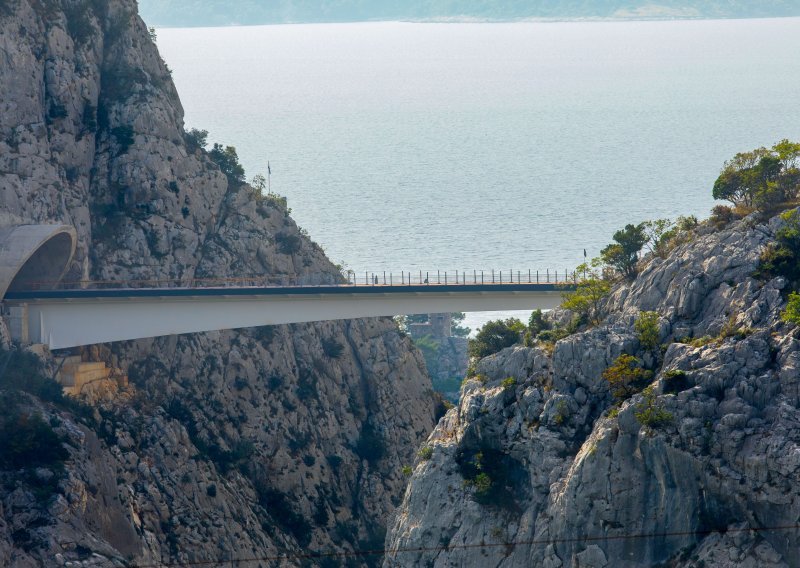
462	277
346	278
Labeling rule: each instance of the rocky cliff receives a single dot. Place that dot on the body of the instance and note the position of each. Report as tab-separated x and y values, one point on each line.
260	443
537	465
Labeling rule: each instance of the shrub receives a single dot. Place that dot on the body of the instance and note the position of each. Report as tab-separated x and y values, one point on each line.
27	441
483	485
650	413
586	300
562	412
425	453
553	335
79	22
496	478
792	312
332	348
537	323
441	404
721	216
626	377
659	232
211	490
371	445
509	383
57	110
306	385
495	336
675	381
280	508
196	139
124	137
228	161
701	341
647	329
288	243
407	471
730	329
781	257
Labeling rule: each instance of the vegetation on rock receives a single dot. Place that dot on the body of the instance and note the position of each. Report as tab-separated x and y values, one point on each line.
792	312
647	330
495	336
623	254
762	179
626	376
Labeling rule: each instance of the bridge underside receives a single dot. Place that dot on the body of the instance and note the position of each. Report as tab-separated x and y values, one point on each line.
69	320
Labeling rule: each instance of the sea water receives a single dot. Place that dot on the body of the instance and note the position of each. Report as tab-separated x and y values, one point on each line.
425	147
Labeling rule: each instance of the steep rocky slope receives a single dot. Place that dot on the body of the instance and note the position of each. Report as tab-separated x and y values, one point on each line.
240	444
711	477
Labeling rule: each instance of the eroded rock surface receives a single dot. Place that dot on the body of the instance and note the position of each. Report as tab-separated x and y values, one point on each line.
257	443
577	482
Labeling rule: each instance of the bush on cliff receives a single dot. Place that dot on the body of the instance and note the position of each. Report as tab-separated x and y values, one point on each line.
196	139
586	300
626	376
782	258
495	336
228	161
647	330
650	413
623	254
764	179
792	312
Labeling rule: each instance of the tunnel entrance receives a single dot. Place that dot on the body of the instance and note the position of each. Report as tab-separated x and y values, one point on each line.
34	255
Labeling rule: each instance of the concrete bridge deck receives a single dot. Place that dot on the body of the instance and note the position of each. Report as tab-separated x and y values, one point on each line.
69	318
40	308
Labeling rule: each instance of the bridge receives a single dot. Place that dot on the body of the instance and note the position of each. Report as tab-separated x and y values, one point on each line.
40	308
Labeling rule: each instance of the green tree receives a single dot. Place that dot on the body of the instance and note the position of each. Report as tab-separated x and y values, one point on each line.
457	329
259	183
781	257
623	254
647	330
626	376
196	139
650	413
228	161
537	323
658	233
737	182
495	336
788	153
762	178
586	300
792	312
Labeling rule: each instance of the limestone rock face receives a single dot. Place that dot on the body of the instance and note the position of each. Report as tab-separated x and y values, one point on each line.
569	480
257	443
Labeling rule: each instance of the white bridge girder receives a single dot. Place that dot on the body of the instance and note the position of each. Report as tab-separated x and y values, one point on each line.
63	322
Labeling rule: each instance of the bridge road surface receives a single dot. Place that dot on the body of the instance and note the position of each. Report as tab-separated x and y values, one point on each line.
72	318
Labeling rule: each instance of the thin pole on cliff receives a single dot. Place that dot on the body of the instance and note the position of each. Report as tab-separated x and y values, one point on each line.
269	178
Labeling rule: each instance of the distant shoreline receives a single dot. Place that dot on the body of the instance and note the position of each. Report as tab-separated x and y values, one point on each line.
588	19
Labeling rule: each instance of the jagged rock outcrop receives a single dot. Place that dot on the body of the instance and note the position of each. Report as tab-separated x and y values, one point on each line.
710	478
257	443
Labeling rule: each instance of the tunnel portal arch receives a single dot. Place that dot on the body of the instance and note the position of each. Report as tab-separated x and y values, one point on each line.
34	254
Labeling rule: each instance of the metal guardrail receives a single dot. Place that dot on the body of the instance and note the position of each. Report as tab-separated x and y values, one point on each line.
349	278
463	277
